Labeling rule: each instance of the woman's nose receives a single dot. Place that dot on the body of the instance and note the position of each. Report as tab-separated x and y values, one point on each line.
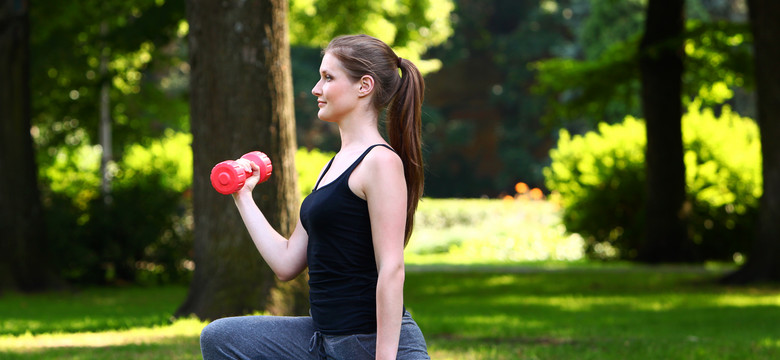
316	91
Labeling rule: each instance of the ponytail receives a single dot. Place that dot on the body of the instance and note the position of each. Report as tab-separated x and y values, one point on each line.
403	130
403	96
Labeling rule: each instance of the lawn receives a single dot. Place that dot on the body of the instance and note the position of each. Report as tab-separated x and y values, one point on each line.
577	311
622	312
485	280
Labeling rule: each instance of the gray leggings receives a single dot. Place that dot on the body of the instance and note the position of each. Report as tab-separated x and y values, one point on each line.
286	337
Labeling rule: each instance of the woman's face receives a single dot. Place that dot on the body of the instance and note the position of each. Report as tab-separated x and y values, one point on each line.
337	94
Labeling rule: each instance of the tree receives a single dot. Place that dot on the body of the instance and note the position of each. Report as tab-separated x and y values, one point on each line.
240	100
661	69
92	60
22	251
717	59
764	259
93	52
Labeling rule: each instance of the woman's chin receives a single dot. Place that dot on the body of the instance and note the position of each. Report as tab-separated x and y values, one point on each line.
325	117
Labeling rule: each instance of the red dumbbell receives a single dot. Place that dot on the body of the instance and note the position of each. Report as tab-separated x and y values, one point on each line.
228	177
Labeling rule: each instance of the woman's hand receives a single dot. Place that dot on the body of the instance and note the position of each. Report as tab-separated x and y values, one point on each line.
251	181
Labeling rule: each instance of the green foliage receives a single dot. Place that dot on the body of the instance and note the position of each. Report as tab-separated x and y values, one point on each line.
718	60
140	232
74	174
605	87
610	22
600	179
410	27
68	43
170	158
138	236
309	164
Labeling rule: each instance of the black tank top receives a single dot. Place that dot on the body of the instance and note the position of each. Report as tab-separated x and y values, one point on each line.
342	267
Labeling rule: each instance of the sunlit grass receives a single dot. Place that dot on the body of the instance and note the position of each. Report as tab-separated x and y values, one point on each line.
479	231
179	330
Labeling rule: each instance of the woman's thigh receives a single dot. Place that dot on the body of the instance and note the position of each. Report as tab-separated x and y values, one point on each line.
411	344
257	337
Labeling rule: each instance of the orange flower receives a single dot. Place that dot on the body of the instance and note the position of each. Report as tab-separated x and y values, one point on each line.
521	188
536	194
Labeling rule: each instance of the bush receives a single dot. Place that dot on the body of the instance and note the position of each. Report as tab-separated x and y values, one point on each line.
309	164
144	233
600	179
141	233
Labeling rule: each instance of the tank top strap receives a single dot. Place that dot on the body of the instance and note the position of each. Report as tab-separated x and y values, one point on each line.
351	168
317	185
357	162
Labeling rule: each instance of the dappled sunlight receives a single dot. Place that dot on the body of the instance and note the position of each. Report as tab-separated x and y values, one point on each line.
186	328
747	300
769	342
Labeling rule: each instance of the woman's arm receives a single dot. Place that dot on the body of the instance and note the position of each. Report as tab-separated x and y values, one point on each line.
384	187
286	257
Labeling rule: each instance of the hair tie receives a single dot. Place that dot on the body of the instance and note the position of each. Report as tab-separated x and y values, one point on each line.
399	61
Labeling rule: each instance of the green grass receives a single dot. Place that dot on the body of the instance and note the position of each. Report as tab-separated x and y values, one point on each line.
600	313
521	312
87	311
99	323
485	280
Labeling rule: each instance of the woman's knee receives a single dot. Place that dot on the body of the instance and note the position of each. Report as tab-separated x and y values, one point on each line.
214	333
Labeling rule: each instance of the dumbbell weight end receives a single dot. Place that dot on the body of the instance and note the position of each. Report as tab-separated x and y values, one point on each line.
228	177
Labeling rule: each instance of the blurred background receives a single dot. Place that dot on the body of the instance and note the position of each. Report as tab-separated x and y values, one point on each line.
521	96
630	143
533	110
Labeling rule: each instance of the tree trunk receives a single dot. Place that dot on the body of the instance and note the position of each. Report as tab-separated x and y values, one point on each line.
240	100
763	262
661	67
106	143
23	264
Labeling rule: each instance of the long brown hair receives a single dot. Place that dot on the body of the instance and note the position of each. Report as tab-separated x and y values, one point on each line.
402	96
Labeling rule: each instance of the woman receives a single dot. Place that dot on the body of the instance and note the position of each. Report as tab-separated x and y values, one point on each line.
353	226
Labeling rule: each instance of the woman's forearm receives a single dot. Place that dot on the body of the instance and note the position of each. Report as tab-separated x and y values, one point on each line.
389	311
285	260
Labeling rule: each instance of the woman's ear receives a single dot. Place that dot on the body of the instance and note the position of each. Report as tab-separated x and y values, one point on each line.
366	85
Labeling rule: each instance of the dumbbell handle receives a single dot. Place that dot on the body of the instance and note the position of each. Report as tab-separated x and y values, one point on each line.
228	176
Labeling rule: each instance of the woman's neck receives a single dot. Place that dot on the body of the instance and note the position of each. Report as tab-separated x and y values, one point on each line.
359	133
